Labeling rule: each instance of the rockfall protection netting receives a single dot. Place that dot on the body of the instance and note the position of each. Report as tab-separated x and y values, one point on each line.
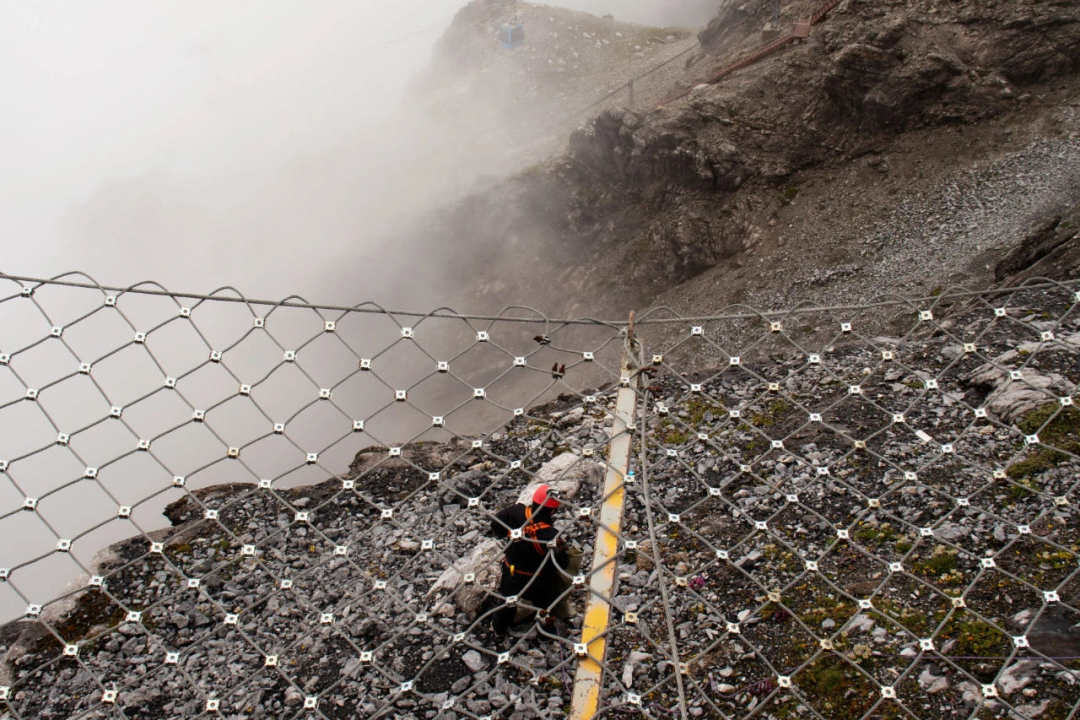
860	512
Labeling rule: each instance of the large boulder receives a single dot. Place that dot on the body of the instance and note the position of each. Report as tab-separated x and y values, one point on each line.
482	564
1051	239
620	147
1009	400
564	473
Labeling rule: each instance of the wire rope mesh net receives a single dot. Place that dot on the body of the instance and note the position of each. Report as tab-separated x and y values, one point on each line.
858	512
325	475
842	512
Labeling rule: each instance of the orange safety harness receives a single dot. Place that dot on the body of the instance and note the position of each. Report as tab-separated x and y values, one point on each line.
529	530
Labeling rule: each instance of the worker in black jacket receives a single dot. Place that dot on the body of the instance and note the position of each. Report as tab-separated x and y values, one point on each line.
535	561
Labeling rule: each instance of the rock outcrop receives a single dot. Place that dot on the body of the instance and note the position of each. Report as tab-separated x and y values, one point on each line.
882	103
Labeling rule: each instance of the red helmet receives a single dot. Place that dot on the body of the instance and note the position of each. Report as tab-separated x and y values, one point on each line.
545	497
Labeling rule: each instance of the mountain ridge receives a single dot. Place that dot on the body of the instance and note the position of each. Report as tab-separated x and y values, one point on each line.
643	201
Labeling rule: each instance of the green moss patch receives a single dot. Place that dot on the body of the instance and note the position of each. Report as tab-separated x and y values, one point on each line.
1061	433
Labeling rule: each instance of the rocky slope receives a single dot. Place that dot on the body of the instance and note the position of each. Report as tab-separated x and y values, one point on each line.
901	146
517	104
829	559
899	135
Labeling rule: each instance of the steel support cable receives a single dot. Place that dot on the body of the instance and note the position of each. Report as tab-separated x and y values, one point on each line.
644	318
368	308
596	622
643	461
623	87
891	300
609	632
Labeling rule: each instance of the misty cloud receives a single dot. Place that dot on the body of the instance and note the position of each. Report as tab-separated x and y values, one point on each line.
202	144
270	146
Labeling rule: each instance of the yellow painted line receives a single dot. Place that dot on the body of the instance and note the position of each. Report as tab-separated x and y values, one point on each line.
589	676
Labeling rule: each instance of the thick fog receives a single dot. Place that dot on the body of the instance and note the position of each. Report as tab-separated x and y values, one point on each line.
198	143
270	146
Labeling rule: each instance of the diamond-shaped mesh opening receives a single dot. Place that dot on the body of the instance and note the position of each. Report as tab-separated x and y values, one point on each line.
155	417
101	445
22	313
327	361
314	427
11	499
41	364
12	389
938	549
130	373
33	431
1015	501
781	635
138	559
858	565
1043	565
39	474
765	556
974	644
932	510
96	508
996	594
835	687
937	686
912	605
1061	528
36	541
207	385
879	646
221	470
74	404
129	480
177	347
238	421
795	527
